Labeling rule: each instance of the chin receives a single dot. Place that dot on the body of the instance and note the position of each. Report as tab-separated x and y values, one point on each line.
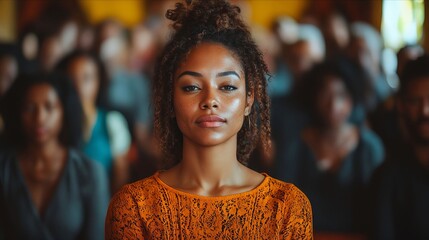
209	141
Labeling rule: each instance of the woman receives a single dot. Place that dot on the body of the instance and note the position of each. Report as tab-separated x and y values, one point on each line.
333	160
106	138
211	109
48	190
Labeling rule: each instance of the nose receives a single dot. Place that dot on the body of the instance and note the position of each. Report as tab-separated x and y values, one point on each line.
40	115
210	100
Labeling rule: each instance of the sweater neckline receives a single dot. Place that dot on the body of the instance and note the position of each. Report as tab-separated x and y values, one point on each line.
230	196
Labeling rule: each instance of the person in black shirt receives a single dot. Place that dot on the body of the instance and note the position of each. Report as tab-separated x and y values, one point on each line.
401	186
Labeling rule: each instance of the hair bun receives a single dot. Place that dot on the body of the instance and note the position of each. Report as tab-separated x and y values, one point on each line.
209	14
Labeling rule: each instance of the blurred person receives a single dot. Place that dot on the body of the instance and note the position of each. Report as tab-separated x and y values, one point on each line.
288	115
401	186
332	160
285	33
86	37
308	50
48	189
8	66
407	53
365	50
8	73
144	49
106	137
57	29
336	34
384	120
156	21
211	110
28	46
129	89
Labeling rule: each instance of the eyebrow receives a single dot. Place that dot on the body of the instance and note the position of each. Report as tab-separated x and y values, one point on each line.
227	73
195	74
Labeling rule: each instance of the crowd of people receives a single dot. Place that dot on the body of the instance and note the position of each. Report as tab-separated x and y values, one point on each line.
76	123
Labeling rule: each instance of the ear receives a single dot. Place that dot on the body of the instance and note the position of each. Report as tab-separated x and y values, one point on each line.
249	103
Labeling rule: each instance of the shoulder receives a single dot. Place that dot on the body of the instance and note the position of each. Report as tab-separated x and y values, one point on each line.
145	190
114	116
370	138
80	161
298	221
84	167
372	142
288	192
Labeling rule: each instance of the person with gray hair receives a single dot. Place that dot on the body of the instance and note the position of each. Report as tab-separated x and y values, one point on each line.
365	50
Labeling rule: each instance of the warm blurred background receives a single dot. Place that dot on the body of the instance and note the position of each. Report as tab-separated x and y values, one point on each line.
347	50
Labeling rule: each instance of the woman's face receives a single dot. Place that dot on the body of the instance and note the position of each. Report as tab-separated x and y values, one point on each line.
333	102
210	96
41	114
84	74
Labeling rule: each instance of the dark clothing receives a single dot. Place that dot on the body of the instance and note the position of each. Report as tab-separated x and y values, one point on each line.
76	210
401	193
338	198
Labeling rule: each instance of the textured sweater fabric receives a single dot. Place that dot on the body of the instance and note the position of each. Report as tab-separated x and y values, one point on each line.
150	209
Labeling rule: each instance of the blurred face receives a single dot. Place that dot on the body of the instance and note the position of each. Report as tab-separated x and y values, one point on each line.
41	114
301	58
8	72
333	104
210	100
414	108
84	73
51	53
337	32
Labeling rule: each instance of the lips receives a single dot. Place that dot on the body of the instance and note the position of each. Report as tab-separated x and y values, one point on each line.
210	121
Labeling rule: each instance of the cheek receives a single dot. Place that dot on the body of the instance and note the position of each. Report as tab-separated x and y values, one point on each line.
236	106
183	108
56	119
342	106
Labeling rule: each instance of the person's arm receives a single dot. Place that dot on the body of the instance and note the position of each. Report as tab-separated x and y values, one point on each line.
123	221
298	222
120	140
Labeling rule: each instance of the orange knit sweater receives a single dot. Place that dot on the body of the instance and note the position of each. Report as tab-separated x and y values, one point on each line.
150	209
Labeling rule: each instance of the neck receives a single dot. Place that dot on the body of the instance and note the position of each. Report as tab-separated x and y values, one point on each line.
43	152
90	110
333	132
209	167
90	114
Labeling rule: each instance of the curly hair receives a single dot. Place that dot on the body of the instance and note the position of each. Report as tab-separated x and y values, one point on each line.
214	21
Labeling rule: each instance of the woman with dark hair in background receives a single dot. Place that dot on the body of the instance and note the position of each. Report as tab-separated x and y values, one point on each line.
333	159
106	138
48	190
211	110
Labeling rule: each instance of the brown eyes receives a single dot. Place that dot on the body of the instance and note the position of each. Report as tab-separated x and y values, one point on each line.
192	88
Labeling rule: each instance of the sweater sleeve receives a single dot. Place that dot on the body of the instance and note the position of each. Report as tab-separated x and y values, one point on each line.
123	220
298	222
